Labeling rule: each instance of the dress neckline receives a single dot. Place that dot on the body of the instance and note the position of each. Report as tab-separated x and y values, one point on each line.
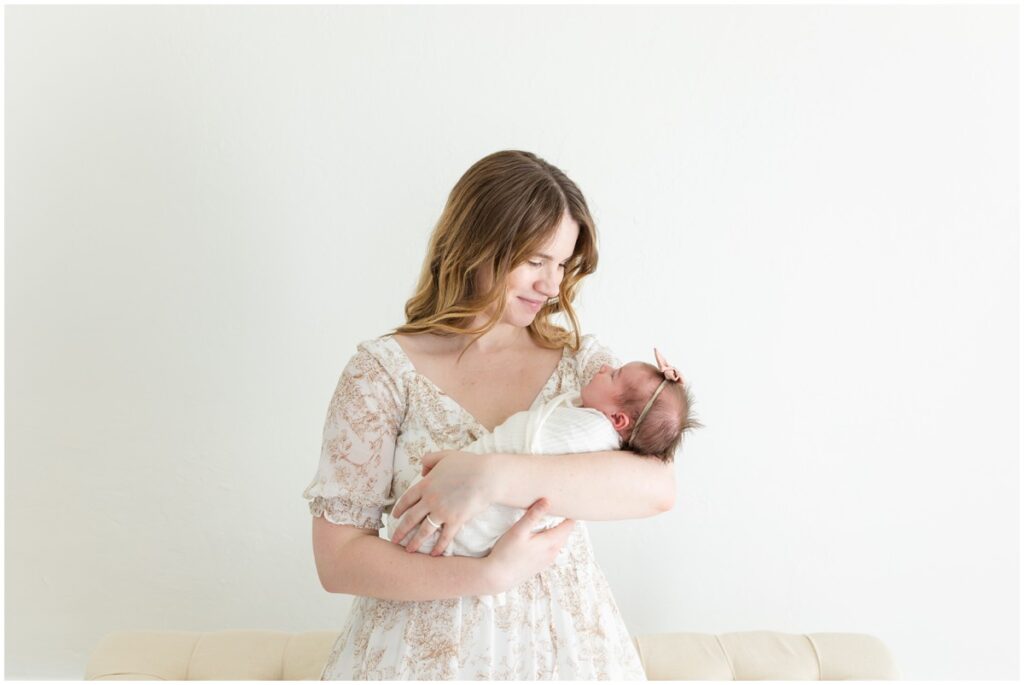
555	373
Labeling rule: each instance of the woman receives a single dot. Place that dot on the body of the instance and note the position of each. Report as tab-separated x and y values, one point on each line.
512	245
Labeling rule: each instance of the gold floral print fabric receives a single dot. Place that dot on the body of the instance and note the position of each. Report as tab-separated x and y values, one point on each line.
562	624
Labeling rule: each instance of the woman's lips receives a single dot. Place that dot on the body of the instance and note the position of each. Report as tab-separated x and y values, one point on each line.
535	305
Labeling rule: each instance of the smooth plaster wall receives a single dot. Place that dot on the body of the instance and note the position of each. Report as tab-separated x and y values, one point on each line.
811	209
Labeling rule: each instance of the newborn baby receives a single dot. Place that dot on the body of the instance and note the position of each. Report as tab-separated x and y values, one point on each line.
637	406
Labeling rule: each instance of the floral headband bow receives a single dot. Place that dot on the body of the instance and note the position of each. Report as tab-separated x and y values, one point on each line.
670	373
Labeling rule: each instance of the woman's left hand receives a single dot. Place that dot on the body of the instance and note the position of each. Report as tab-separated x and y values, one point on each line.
455	487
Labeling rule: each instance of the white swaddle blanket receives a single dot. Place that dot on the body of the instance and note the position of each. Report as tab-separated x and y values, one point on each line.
560	426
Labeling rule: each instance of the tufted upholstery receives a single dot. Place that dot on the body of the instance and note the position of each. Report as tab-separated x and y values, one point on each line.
273	655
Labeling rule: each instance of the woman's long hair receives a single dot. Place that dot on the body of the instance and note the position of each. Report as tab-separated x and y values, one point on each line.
502	211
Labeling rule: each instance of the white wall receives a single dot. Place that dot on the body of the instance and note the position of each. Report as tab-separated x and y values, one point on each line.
811	210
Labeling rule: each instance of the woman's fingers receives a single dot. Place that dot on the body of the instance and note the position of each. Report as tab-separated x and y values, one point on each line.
430	460
408	498
412	518
448	532
401	532
415	522
520	553
422	534
562	531
533	515
555	537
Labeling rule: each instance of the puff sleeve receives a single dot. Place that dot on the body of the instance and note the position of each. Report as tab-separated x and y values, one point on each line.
352	484
591	356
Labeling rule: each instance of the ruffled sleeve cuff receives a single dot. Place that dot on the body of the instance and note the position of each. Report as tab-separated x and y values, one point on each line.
341	511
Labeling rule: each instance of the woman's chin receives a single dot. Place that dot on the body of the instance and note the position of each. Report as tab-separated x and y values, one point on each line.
519	321
520	314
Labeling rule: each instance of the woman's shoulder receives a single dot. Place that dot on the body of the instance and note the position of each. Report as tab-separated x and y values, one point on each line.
591	355
424	344
590	347
384	352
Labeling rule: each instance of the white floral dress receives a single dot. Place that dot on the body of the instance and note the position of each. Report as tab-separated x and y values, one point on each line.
562	624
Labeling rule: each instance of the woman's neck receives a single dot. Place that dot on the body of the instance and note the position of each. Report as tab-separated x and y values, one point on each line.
500	338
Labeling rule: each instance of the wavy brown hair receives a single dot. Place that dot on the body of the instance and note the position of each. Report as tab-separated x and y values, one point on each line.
503	210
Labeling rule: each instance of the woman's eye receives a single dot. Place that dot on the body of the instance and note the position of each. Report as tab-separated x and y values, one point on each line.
535	263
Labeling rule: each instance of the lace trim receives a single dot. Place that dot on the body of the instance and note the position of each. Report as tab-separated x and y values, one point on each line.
340	511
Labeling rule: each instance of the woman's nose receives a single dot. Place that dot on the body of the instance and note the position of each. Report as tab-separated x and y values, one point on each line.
548	284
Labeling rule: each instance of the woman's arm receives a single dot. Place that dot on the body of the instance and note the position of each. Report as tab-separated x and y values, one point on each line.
594	486
355	561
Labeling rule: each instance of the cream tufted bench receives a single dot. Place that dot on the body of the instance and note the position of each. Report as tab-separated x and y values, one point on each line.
271	655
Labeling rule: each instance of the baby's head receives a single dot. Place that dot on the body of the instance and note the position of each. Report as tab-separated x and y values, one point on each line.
621	395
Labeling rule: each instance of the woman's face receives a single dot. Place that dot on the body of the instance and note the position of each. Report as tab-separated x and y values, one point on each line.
531	284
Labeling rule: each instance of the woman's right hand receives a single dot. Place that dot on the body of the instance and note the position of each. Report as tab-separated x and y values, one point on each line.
520	553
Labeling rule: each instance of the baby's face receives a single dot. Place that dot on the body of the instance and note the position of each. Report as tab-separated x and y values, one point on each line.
608	384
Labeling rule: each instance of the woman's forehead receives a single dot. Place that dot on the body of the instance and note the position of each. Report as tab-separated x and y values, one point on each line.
563	241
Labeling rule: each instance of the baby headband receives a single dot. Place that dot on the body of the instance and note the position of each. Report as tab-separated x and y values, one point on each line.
671	374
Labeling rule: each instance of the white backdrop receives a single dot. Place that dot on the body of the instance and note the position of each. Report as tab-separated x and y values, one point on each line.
812	211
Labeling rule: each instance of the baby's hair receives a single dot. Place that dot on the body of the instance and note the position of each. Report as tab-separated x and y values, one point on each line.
669	417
